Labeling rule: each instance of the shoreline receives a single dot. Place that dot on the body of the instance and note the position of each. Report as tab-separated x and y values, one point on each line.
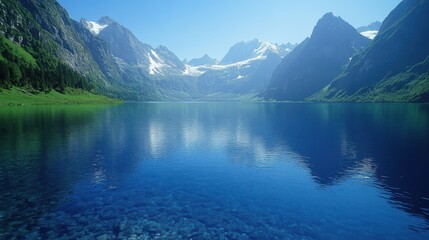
20	97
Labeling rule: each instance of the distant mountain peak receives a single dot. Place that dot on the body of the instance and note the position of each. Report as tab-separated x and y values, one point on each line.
205	60
329	18
329	15
375	26
371	30
105	20
330	27
253	49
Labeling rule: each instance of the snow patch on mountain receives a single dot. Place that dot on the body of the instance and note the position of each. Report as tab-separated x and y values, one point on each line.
370	31
94	27
369	34
156	63
199	70
156	55
194	71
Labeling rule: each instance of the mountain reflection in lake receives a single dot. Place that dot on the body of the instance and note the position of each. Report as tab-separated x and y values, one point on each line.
215	170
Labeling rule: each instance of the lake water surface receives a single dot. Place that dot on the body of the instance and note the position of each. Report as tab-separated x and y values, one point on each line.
215	171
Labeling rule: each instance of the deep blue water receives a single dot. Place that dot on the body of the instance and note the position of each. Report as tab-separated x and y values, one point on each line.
215	171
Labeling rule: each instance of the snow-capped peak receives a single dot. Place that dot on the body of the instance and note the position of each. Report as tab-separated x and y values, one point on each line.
265	48
242	55
94	27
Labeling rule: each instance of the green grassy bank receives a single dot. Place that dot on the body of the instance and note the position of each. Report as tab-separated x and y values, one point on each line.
19	96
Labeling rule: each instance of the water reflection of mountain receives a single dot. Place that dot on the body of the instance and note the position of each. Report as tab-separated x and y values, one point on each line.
44	151
386	141
334	141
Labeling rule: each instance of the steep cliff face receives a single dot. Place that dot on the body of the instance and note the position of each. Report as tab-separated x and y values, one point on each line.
130	52
43	27
101	54
157	73
316	61
395	66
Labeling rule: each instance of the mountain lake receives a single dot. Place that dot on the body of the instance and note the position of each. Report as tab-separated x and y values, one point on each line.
217	170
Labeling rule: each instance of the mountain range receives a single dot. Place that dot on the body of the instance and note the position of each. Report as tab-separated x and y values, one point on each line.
245	70
43	47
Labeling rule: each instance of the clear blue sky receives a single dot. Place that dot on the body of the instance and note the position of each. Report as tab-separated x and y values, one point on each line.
191	28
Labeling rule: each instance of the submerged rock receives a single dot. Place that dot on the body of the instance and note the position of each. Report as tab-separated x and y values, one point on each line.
152	227
104	237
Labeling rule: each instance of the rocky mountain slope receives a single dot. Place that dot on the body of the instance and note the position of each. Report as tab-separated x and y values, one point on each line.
158	70
44	28
395	66
316	61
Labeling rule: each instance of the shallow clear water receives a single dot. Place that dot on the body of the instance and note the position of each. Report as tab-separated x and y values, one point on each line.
215	171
